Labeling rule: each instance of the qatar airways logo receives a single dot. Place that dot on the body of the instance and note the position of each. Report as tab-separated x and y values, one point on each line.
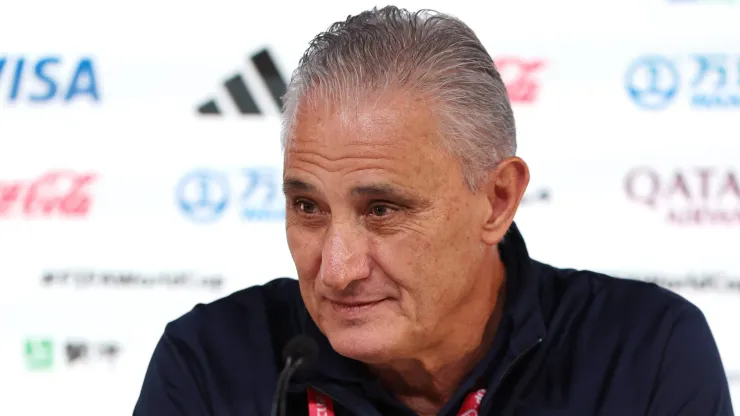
688	195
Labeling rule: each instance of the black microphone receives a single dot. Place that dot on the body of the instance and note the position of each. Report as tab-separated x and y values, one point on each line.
299	354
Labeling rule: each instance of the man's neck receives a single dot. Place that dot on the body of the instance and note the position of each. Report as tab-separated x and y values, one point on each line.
426	383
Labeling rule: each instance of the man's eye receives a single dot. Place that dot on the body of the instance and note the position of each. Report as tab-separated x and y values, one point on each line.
305	207
381	210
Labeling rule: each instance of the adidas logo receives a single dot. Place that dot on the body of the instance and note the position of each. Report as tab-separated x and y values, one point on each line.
240	94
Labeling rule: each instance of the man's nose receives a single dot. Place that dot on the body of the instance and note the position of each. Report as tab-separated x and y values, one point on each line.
344	258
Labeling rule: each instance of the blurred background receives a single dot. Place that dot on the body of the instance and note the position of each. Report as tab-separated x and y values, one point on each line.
140	164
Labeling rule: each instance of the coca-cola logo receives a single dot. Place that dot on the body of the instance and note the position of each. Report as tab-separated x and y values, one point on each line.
56	193
518	75
696	195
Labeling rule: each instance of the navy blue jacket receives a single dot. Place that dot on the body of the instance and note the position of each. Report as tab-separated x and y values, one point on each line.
570	343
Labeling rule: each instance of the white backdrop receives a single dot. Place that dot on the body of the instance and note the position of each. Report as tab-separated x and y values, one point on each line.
96	260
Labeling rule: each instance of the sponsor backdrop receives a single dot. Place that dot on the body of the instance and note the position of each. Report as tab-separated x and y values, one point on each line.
140	164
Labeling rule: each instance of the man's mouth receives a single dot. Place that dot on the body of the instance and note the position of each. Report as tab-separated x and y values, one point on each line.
354	307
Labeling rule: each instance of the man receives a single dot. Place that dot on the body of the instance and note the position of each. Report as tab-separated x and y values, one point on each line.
401	185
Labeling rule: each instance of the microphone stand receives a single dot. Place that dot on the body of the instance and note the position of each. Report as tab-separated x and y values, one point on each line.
278	404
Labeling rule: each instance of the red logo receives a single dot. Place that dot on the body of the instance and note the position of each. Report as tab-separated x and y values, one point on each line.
321	409
518	75
58	193
688	196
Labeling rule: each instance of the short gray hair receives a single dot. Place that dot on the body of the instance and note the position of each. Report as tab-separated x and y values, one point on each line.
426	52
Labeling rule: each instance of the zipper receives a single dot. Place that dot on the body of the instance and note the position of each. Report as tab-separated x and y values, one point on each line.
489	396
516	360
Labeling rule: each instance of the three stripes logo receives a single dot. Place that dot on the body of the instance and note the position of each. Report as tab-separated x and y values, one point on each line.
240	94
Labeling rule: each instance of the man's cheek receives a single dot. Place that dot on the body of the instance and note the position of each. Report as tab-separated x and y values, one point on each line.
305	249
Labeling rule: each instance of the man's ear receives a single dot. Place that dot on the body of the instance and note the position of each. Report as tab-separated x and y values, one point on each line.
504	188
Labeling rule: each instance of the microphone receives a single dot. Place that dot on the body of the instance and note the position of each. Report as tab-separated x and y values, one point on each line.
299	354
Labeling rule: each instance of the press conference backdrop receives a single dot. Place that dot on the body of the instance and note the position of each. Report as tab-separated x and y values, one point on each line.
140	164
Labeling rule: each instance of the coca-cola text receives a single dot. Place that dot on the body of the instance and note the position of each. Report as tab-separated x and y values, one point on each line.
57	193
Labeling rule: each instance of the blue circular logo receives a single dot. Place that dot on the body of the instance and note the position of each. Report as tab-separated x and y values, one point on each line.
652	82
203	195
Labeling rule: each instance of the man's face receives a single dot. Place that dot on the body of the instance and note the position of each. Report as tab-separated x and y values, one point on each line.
384	233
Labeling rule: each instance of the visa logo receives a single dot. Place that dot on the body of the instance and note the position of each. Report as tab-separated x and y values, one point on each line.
48	78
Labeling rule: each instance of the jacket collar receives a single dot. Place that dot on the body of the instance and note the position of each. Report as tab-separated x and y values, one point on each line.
523	293
522	308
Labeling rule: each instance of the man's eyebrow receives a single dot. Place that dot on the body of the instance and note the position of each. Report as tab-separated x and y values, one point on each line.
374	190
296	185
386	191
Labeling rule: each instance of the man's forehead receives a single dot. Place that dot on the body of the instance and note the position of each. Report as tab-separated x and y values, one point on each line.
375	119
369	145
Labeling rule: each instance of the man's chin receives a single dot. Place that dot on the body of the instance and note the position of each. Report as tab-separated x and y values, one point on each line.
362	344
